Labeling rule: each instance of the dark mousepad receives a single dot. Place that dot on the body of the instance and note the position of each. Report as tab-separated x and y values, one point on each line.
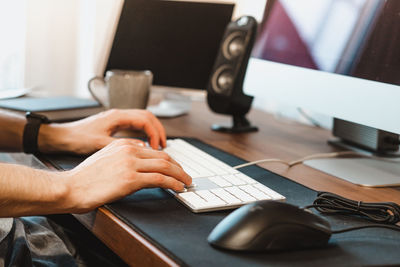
183	235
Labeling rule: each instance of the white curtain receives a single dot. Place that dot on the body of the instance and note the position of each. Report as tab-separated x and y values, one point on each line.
63	42
12	44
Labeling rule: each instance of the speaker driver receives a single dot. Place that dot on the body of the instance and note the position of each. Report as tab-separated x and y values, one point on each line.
223	80
233	46
236	47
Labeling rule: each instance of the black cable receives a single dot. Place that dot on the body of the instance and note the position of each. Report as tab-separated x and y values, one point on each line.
381	212
392	227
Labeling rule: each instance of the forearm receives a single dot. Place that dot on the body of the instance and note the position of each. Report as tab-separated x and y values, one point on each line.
25	191
52	137
11	130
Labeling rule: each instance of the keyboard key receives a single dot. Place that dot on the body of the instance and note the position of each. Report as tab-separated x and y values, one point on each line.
221	193
219	181
206	194
259	195
268	191
211	199
240	194
216	169
193	169
245	178
234	180
194	200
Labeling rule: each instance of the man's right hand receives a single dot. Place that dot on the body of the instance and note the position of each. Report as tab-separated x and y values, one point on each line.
117	170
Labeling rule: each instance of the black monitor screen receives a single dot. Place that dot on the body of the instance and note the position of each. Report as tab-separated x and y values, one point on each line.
359	38
178	41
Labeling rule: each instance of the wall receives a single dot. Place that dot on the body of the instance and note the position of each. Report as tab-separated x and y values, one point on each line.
51	45
12	45
63	40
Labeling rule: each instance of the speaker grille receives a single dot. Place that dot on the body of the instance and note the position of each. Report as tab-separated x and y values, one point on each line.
225	87
234	45
223	80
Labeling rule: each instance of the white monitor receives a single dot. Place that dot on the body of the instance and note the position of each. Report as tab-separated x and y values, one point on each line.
339	58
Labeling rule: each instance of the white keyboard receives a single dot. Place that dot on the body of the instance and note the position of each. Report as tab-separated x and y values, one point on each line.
216	185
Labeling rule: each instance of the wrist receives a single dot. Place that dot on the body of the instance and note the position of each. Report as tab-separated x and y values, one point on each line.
67	137
55	200
75	199
58	197
52	138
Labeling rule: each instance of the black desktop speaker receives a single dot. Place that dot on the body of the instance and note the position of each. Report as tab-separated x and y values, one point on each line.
225	87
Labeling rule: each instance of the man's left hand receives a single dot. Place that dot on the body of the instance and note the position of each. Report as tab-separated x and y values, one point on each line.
88	135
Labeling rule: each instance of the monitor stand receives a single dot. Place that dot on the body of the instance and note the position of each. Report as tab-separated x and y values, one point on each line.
172	105
367	172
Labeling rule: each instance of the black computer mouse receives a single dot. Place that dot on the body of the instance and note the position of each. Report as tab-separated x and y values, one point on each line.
270	226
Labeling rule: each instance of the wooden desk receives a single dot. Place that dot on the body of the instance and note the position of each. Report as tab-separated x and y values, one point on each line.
277	138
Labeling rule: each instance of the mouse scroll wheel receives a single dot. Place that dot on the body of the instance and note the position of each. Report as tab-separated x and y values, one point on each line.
256	209
309	211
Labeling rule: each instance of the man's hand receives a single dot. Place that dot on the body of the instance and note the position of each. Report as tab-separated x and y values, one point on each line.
122	167
118	170
93	133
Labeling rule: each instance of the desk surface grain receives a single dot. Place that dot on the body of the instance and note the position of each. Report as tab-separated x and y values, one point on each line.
277	138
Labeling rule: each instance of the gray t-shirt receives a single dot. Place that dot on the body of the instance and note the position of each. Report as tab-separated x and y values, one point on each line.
36	241
5	227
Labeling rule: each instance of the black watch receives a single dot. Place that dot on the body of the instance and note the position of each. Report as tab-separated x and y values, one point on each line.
31	132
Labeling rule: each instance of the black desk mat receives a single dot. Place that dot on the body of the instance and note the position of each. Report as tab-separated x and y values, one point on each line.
183	234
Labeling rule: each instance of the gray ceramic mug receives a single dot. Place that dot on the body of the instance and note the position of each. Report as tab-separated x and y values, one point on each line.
123	89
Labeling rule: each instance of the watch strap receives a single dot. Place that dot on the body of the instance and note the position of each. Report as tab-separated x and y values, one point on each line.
31	132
